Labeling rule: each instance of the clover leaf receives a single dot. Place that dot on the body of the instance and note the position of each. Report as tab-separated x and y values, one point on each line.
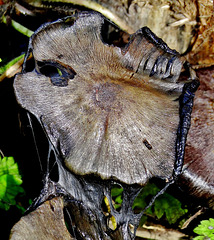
205	229
10	181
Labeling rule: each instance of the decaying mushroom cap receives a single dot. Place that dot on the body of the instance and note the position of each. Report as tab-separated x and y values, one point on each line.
110	111
198	174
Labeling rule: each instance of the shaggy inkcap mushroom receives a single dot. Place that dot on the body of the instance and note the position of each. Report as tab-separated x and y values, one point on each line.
117	113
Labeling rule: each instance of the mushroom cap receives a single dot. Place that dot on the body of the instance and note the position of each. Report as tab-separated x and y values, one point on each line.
109	111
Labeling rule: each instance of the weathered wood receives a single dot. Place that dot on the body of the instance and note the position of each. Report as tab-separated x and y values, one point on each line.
46	222
184	25
173	21
202	52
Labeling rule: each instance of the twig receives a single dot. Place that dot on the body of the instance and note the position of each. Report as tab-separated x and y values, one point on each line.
1	153
188	221
25	31
158	232
14	69
11	71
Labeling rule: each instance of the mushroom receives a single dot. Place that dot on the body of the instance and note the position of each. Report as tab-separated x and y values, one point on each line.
118	114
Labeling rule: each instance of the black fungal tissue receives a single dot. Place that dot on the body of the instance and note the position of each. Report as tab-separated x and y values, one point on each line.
113	115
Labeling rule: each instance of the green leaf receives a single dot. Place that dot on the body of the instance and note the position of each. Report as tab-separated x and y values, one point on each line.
200	238
10	181
21	208
140	201
170	206
160	208
119	199
116	191
164	206
205	228
116	194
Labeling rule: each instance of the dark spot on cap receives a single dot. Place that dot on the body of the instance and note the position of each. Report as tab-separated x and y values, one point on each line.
147	144
60	56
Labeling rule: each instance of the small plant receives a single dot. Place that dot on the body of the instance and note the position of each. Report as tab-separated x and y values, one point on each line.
205	230
10	181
